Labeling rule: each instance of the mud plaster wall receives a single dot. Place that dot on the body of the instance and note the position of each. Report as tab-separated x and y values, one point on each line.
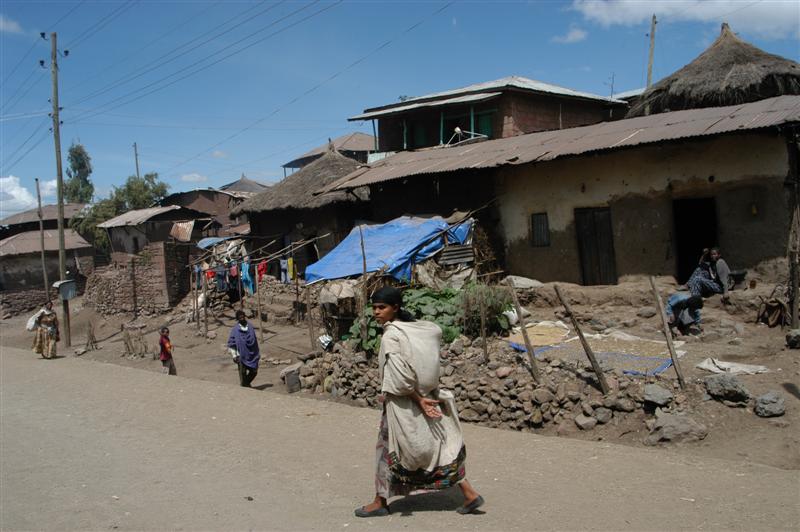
24	271
639	185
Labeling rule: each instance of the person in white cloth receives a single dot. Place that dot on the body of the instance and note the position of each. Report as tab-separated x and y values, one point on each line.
420	446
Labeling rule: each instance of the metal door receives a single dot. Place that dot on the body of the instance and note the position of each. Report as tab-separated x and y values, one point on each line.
596	245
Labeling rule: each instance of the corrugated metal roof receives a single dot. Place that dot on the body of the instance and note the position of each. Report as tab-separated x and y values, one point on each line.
549	145
510	82
182	231
137	216
470	98
49	212
351	142
29	242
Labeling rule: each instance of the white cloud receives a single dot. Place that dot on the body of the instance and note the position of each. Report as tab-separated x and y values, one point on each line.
49	189
194	178
219	154
14	197
766	18
575	34
8	25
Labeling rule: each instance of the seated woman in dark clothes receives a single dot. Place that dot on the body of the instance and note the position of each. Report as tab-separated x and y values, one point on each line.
711	275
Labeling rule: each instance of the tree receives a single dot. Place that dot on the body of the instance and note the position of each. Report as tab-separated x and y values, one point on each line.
78	188
136	193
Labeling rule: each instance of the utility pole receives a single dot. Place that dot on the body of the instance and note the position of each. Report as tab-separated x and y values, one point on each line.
62	260
41	241
653	23
136	156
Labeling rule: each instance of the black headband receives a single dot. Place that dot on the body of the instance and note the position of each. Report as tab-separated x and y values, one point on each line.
388	295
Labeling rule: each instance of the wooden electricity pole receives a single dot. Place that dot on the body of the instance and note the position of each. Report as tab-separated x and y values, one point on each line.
62	259
136	157
41	242
653	23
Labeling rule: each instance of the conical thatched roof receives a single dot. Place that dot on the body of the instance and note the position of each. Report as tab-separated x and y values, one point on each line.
296	190
729	72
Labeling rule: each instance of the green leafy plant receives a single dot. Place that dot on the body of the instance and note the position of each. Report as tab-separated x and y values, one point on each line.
495	301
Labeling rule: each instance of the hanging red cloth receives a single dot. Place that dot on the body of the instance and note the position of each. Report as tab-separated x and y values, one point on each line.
261	269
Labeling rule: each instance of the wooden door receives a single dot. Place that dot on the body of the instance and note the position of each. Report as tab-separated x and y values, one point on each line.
596	245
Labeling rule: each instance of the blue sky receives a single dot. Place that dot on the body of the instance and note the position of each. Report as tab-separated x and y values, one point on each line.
316	64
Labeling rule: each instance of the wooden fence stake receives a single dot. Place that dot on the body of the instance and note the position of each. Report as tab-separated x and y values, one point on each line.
483	326
667	333
309	321
258	304
205	306
528	345
601	378
364	294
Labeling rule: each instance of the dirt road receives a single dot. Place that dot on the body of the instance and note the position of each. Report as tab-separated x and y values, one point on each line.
86	445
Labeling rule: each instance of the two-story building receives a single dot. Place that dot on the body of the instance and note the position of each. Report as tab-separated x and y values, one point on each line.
496	109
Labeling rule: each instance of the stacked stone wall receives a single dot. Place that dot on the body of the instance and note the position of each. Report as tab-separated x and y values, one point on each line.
134	283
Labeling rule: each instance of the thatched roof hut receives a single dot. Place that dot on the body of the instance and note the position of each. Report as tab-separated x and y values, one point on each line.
296	190
729	72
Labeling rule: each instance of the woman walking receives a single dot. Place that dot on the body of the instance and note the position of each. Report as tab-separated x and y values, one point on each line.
45	324
243	346
420	445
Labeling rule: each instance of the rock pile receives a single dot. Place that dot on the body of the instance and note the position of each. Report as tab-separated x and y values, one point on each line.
500	392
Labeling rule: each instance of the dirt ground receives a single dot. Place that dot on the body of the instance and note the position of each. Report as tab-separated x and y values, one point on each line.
734	433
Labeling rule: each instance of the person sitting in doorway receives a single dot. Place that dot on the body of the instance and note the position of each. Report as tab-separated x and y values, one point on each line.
711	275
683	312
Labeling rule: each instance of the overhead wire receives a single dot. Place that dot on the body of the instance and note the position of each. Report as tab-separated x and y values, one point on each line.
157	88
21	90
38	39
161	60
317	86
103	70
28	139
100	24
8	167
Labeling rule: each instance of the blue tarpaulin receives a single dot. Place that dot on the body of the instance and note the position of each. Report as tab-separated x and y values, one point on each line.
394	246
212	241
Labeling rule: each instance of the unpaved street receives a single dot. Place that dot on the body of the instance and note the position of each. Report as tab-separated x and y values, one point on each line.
87	445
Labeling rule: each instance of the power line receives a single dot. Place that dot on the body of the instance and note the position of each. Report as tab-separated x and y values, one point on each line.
37	40
159	63
318	85
24	142
100	24
19	89
205	67
172	30
7	168
20	116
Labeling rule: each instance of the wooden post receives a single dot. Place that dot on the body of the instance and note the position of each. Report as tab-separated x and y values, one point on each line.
241	292
794	276
364	294
205	305
528	345
310	321
41	243
191	291
667	333
601	378
483	327
258	304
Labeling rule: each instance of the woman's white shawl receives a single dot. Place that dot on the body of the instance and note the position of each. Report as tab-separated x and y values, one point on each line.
409	361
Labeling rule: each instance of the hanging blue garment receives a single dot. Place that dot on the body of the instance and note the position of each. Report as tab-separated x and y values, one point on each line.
220	272
198	276
247	279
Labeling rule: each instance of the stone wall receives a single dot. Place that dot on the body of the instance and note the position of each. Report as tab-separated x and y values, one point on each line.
499	392
15	302
150	282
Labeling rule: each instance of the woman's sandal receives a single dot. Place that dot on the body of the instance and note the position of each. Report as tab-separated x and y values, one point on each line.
471	507
379	512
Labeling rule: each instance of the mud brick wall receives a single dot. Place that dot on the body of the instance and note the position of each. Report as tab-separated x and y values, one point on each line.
15	302
149	282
